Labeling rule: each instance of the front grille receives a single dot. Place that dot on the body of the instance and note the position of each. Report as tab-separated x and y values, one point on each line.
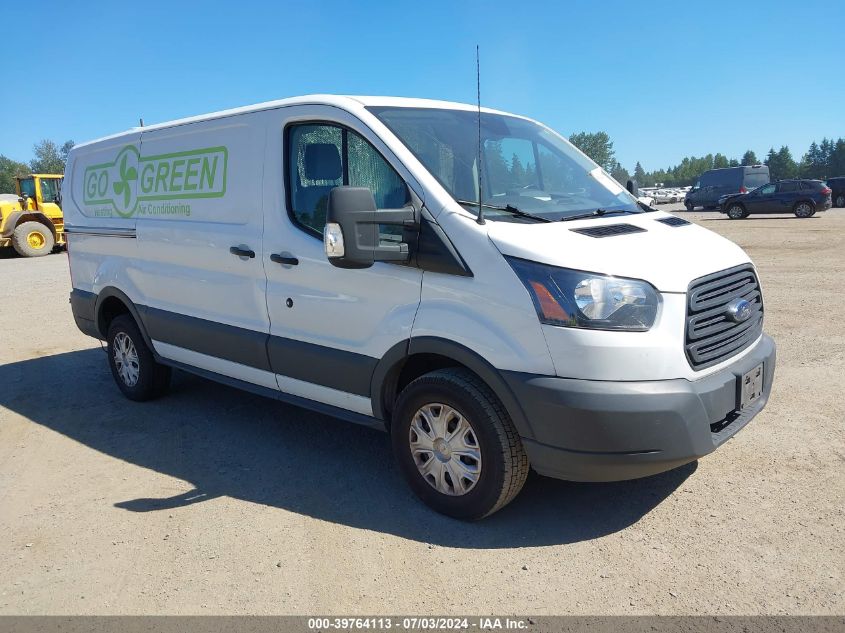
711	335
609	230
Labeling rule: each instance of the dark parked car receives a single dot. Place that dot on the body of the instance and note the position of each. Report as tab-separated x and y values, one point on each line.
801	197
837	185
715	183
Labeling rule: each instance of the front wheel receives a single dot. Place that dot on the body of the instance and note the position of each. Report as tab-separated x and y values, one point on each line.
32	239
690	206
456	445
736	212
840	200
804	210
132	364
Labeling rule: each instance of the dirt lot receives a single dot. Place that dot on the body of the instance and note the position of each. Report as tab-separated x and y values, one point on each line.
216	501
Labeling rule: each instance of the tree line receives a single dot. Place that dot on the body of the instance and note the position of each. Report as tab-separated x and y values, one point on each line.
822	160
50	158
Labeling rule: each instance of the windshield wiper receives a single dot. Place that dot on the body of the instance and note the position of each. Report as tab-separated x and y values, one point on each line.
594	213
508	207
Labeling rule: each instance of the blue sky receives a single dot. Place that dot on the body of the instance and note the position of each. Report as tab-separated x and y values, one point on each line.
664	79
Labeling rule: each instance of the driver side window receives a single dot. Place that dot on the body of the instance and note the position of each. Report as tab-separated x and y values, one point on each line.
323	156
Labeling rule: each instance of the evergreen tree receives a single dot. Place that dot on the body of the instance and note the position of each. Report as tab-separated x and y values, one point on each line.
620	174
497	169
750	158
836	162
517	171
781	164
640	175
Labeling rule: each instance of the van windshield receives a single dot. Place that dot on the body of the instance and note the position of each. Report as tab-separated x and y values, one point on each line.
523	164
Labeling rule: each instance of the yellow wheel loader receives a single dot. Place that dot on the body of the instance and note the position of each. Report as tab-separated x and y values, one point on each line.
31	222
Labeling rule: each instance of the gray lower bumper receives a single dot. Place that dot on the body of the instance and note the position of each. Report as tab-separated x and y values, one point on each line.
82	305
585	430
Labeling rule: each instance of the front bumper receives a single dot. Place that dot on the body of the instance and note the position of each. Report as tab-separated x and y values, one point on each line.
586	430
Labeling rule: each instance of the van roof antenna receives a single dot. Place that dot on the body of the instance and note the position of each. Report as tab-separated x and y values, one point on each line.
480	218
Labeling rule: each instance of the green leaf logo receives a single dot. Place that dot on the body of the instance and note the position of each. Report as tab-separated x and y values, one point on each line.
126	175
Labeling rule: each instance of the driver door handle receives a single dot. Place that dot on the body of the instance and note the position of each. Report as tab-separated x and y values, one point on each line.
242	252
284	259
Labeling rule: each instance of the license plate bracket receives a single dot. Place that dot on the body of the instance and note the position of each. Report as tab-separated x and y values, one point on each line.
751	386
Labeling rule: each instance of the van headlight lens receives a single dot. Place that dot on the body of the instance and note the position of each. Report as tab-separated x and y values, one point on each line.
573	298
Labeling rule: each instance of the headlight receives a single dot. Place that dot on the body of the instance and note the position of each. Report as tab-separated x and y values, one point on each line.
573	298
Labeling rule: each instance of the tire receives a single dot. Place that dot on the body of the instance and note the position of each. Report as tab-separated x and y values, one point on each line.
138	376
492	451
840	200
33	239
690	206
803	209
737	212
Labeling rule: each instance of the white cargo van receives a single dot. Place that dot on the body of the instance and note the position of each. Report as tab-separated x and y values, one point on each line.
328	251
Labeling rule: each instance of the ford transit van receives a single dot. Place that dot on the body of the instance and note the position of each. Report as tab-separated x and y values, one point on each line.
494	309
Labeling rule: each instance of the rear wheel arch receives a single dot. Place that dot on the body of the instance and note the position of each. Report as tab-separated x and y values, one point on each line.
110	304
36	217
413	358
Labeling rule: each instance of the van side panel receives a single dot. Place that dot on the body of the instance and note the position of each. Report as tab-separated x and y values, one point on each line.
200	190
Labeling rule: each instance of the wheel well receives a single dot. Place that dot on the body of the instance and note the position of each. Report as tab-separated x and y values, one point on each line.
112	307
807	200
414	366
35	217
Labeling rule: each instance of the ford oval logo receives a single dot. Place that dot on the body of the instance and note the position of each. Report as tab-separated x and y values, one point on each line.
739	310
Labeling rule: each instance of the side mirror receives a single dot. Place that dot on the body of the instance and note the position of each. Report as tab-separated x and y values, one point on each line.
351	235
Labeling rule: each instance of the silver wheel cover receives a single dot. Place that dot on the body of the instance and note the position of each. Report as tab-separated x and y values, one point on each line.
445	449
126	359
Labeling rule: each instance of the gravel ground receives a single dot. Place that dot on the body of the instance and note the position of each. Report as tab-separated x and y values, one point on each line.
216	501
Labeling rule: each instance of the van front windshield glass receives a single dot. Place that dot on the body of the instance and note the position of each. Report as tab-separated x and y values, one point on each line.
523	164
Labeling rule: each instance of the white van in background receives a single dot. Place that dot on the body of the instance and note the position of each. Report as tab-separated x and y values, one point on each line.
329	252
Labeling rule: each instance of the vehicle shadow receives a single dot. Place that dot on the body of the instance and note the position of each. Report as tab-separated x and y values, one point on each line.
226	442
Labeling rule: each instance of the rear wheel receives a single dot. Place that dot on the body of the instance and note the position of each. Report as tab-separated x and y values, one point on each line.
840	200
803	210
737	212
132	364
32	239
456	445
690	206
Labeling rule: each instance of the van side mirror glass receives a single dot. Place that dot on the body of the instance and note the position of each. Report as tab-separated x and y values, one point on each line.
351	236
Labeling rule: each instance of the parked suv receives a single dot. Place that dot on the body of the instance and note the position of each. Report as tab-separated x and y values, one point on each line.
837	186
801	197
716	183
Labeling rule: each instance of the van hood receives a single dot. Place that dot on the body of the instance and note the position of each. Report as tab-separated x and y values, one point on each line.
668	257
